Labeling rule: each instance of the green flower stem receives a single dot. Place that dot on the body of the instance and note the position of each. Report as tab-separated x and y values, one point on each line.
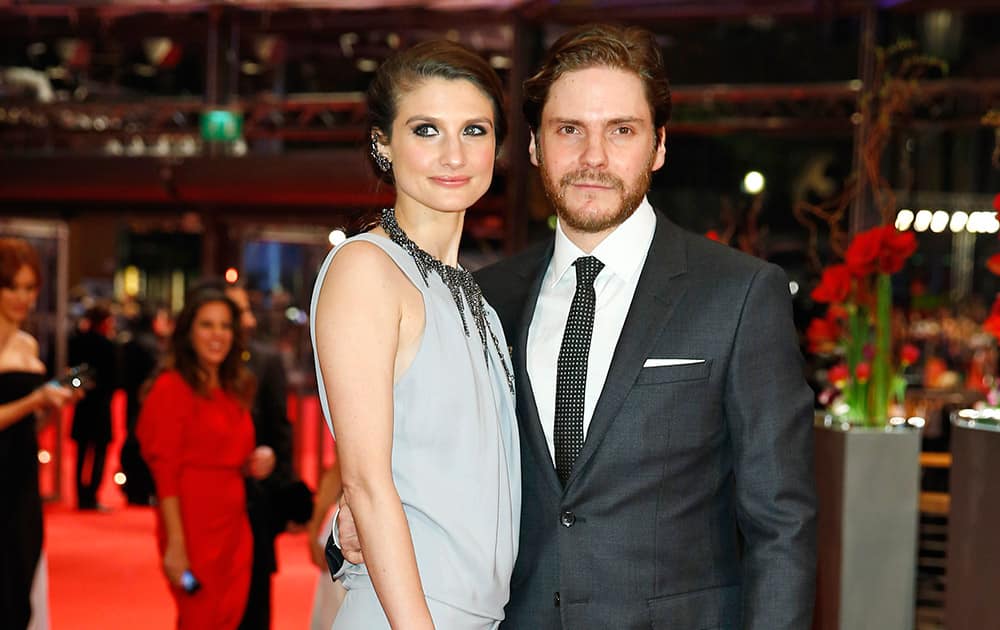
857	337
881	377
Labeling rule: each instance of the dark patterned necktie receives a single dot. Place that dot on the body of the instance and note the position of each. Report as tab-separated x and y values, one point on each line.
571	369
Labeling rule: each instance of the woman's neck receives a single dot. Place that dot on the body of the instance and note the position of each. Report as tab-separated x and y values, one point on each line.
210	377
8	328
437	233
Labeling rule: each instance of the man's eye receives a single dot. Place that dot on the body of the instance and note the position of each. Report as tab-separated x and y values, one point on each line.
567	129
624	131
475	130
425	130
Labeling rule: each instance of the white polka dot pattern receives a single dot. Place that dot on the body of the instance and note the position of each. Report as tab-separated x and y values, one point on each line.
571	368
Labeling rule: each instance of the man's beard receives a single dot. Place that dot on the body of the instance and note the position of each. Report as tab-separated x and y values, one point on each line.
595	222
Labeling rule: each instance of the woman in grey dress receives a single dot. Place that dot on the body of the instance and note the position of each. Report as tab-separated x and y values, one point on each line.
412	364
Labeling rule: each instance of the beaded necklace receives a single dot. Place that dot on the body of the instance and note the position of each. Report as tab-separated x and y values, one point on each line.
460	283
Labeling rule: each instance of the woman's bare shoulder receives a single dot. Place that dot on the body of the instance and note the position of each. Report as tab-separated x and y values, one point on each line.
26	342
363	264
21	353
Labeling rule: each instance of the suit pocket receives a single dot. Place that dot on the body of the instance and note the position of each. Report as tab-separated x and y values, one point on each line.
674	373
708	609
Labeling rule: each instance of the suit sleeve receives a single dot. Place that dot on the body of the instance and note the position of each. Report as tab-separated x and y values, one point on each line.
769	411
160	431
273	428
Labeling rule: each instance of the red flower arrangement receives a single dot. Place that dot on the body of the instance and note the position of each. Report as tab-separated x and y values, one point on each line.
857	326
992	323
882	250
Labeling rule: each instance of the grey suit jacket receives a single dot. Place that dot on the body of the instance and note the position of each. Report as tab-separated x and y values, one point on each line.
692	503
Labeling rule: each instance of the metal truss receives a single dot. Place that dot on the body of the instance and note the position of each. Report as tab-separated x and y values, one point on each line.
172	126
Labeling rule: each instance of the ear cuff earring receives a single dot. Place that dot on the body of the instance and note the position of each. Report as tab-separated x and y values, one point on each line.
384	164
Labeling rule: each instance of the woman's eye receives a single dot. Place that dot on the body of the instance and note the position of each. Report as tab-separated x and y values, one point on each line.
475	130
425	130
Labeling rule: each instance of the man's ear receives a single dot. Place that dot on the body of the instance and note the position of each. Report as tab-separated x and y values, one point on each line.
661	149
533	148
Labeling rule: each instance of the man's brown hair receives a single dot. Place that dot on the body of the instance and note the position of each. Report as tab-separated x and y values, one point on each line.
631	49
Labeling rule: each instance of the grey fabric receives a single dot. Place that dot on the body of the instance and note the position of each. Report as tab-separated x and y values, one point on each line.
455	455
361	610
692	503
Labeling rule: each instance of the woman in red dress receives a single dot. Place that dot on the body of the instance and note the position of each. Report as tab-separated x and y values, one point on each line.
196	433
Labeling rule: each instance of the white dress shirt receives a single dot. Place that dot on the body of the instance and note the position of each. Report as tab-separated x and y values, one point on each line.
623	253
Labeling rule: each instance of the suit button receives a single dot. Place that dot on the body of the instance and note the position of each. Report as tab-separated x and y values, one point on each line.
567	519
555	599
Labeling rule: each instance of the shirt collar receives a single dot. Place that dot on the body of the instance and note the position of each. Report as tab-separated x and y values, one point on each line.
622	252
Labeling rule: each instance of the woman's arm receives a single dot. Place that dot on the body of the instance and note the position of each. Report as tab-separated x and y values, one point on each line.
160	431
13	411
358	318
175	560
48	398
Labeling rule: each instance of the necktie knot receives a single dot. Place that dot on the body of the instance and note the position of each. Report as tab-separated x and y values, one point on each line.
587	268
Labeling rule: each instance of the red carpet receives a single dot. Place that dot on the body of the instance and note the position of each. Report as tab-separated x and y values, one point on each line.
104	573
103	567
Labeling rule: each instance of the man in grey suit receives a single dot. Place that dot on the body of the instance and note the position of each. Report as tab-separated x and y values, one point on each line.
664	418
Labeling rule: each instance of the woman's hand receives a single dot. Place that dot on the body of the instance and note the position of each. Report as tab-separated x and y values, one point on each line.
175	562
261	463
54	396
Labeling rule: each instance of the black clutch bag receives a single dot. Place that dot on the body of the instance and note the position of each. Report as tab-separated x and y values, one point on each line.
334	558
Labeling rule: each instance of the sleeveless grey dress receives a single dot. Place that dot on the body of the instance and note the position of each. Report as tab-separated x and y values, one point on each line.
455	463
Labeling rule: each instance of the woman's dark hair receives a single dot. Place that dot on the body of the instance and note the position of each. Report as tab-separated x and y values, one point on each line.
14	254
234	377
631	49
405	70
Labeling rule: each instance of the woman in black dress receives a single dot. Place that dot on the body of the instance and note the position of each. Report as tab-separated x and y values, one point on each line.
23	396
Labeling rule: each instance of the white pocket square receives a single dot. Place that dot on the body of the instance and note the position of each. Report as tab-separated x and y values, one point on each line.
666	362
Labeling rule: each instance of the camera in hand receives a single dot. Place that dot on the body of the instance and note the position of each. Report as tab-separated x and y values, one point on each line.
189	582
78	377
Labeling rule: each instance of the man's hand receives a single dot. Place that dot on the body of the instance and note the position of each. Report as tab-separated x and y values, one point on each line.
350	546
261	463
316	553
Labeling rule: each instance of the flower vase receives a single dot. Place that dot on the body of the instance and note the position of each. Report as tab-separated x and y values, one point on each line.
973	572
868	485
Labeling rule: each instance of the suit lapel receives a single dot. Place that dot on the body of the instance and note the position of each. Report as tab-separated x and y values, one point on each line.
656	296
527	409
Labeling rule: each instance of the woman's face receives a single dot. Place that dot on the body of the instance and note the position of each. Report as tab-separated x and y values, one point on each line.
19	299
212	334
443	146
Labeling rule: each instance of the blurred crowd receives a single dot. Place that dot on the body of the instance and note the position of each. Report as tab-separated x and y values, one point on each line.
206	424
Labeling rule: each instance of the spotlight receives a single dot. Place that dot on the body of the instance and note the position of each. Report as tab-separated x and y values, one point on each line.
904	219
753	183
958	221
336	237
993	225
922	221
939	222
